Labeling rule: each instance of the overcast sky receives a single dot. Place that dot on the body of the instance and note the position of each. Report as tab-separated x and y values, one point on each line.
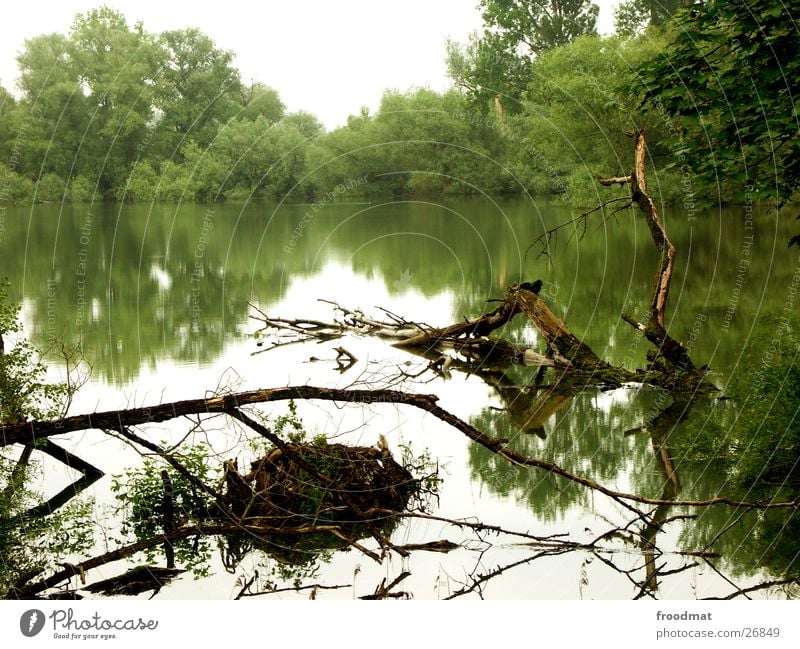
329	57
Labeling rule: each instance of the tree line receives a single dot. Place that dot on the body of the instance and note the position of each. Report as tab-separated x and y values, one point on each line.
540	104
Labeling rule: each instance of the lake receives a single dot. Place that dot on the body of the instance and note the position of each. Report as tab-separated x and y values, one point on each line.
161	298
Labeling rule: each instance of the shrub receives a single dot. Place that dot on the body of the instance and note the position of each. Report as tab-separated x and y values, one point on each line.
14	187
81	189
141	185
51	188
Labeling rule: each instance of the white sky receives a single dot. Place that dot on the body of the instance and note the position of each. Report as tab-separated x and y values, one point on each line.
327	57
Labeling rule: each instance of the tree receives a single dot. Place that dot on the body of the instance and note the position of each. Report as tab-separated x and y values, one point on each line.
732	76
259	158
7	106
197	89
539	25
632	16
53	114
493	69
419	142
574	120
306	123
259	100
485	69
117	70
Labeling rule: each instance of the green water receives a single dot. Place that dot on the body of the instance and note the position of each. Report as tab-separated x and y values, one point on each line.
99	272
145	289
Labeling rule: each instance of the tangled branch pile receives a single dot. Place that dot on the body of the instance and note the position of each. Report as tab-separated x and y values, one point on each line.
309	483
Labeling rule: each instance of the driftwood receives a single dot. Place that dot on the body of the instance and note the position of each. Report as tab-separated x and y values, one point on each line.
135	581
469	339
475	328
559	338
30	431
563	350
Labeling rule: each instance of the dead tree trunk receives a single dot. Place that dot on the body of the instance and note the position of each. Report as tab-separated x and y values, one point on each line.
654	329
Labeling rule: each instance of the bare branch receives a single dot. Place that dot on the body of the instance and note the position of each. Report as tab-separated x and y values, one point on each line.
614	180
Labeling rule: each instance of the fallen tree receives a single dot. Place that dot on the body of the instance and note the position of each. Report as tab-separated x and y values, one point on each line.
258	508
671	366
230	404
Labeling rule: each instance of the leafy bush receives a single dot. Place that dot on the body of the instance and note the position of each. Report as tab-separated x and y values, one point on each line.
175	183
755	437
767	432
30	542
33	543
141	185
15	187
140	496
52	188
81	189
140	493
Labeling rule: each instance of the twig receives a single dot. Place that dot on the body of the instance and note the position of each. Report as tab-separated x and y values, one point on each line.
292	589
382	591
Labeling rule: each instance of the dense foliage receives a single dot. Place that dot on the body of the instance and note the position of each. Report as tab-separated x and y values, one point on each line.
540	104
756	437
730	74
633	16
493	67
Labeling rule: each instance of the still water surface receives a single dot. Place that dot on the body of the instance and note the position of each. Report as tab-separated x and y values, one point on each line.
159	298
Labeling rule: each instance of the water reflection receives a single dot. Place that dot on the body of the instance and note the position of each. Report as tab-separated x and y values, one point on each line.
142	286
141	283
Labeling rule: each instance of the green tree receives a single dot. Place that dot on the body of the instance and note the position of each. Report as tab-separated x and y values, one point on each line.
574	121
7	108
259	158
307	124
259	100
732	76
486	69
493	68
633	16
419	142
539	25
50	123
118	70
196	92
141	184
438	144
